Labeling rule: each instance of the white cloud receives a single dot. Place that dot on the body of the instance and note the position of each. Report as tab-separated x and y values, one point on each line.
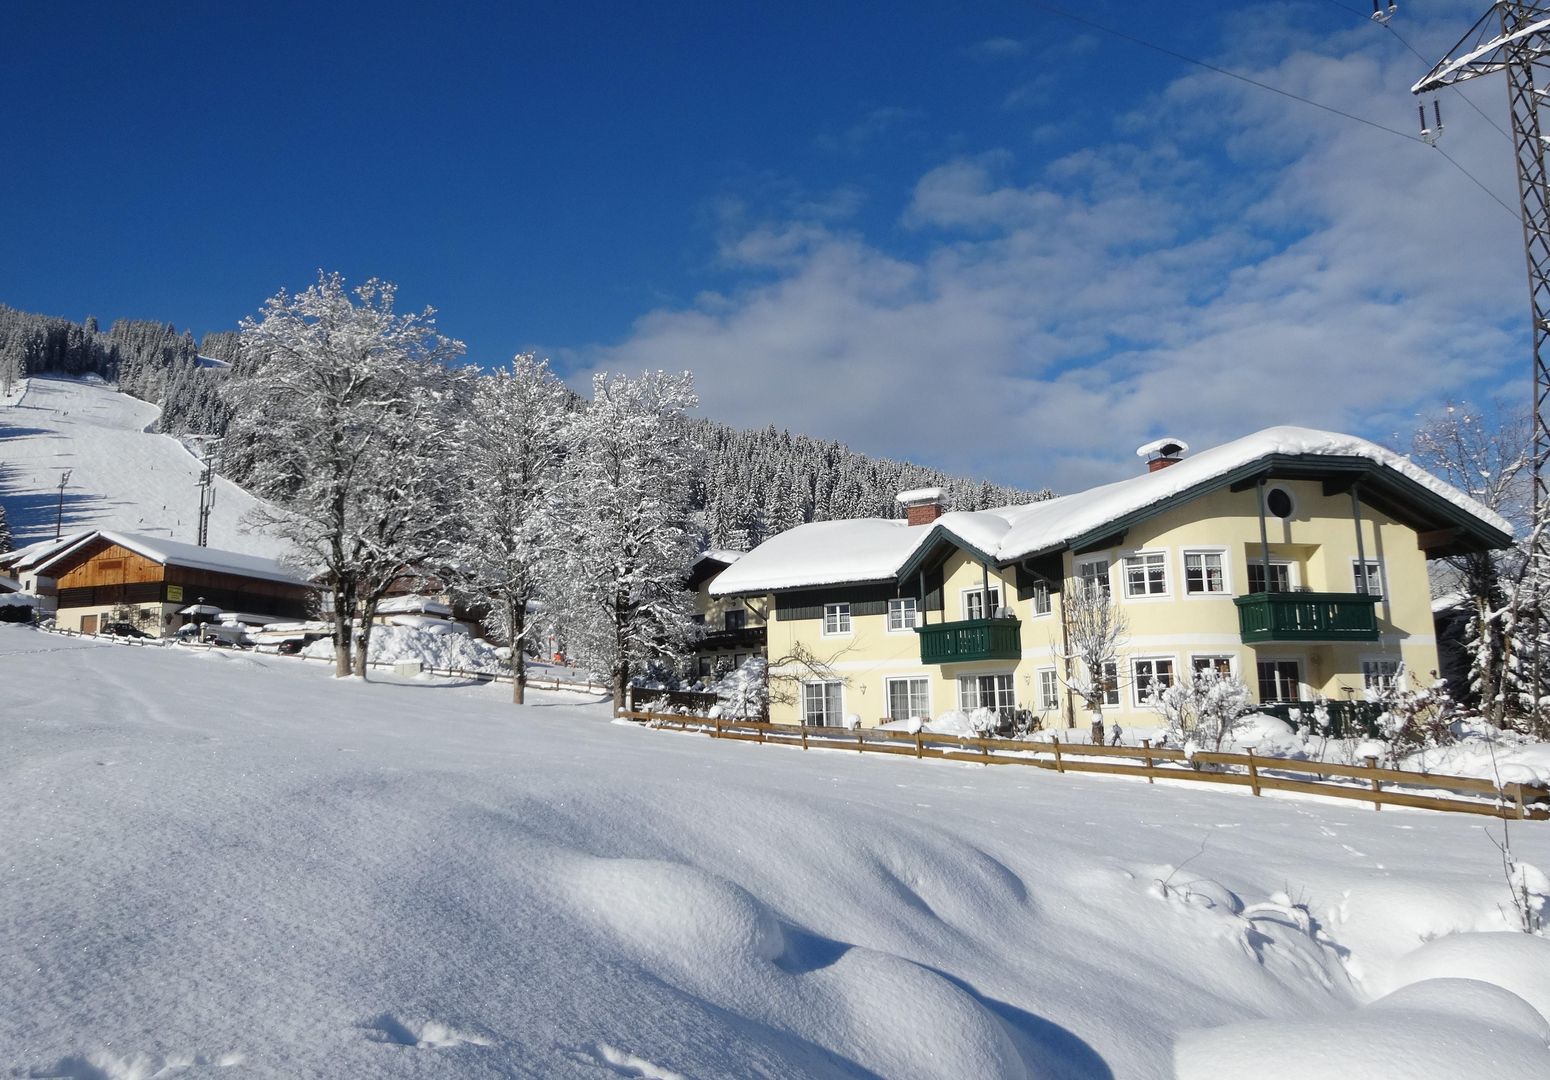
1237	260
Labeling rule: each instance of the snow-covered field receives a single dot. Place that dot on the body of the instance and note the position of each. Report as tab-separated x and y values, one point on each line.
219	859
121	476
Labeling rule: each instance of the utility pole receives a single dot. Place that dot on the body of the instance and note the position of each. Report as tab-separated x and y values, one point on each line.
206	503
1515	39
59	513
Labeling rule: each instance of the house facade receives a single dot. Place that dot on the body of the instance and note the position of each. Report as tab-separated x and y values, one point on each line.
1293	559
731	628
153	581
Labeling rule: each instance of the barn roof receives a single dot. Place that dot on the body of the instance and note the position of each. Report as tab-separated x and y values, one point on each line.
175	553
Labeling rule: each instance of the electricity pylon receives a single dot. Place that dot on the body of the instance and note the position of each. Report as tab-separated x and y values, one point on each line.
1515	39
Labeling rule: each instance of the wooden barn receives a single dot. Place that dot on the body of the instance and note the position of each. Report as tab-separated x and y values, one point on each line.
109	577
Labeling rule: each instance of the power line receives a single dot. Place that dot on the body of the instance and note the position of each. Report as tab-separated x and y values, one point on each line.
1101	28
1053	10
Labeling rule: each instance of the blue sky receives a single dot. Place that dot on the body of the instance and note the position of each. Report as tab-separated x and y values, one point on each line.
974	235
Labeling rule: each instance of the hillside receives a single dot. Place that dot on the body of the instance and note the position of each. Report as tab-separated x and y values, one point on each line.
329	878
121	475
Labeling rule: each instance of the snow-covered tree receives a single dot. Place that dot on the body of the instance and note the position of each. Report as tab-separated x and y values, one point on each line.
6	543
625	518
509	448
1504	592
341	411
1095	628
1203	710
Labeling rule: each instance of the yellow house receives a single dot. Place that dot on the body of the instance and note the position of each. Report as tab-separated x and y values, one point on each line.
1293	559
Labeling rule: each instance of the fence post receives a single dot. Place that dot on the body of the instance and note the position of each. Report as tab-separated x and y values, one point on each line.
1372	763
804	736
985	750
1253	772
1056	740
1517	792
717	733
860	742
1146	744
920	750
761	734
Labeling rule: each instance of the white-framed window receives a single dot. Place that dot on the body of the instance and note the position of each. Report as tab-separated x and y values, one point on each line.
836	619
1094	576
1379	674
1368	577
901	614
1150	675
980	604
1049	690
1221	663
1111	684
986	692
1205	573
1279	680
1146	574
823	703
1280	576
908	697
1041	598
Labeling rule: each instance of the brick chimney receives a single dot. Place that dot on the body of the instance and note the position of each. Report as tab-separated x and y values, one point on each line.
1162	452
922	506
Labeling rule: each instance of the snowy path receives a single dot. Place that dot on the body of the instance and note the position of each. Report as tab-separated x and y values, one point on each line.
210	859
121	476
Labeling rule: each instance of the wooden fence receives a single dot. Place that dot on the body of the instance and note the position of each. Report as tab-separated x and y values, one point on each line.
1362	783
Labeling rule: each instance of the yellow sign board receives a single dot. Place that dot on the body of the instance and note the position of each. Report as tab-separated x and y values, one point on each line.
174	594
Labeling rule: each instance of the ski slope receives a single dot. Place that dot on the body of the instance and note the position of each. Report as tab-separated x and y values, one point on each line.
214	860
121	476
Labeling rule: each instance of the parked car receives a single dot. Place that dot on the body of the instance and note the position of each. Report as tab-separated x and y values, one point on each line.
123	629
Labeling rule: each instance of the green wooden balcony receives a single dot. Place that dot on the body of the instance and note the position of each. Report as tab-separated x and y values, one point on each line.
1302	616
971	639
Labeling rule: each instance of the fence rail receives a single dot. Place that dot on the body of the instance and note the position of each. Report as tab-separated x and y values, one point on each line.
1250	770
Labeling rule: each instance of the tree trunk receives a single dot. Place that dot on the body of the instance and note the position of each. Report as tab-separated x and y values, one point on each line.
363	653
516	618
343	603
1097	727
621	680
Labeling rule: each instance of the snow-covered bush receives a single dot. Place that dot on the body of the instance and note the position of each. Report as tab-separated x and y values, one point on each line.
1413	720
1203	711
744	691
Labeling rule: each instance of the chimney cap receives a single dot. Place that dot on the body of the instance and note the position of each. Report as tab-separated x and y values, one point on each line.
920	496
1167	446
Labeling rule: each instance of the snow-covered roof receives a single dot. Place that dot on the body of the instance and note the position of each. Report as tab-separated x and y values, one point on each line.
874	549
24	558
823	553
1165	445
916	496
720	555
421	605
175	553
9	584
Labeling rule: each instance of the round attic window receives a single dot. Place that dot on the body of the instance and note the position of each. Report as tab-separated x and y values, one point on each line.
1278	501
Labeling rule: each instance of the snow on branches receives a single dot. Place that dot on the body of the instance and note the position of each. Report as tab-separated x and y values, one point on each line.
625	500
341	409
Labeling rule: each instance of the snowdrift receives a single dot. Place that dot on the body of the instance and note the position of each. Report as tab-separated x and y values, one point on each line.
335	878
441	645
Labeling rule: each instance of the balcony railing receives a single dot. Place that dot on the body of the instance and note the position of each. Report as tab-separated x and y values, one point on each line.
1299	616
971	639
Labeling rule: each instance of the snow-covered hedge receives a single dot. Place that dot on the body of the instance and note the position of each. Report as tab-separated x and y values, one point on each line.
434	647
